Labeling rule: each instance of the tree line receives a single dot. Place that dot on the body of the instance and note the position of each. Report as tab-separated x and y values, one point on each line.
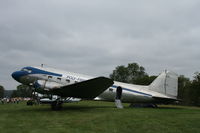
21	91
188	90
2	90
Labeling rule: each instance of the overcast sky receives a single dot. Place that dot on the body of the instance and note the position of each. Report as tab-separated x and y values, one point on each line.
94	36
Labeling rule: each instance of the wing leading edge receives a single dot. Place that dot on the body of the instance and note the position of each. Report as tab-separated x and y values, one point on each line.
88	89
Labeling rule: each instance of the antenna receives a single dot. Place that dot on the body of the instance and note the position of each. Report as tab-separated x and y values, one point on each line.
165	84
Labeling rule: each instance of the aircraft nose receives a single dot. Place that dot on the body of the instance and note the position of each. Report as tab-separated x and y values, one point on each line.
16	75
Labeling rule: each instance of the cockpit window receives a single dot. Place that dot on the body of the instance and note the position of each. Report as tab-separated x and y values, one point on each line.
26	70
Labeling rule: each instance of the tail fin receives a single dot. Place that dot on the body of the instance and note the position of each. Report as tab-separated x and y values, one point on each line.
166	83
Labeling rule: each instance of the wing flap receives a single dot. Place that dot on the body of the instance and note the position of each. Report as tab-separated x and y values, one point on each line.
86	89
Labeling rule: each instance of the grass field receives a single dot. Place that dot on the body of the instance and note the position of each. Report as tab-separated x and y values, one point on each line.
98	117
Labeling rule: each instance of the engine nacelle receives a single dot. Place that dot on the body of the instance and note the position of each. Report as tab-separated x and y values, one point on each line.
43	84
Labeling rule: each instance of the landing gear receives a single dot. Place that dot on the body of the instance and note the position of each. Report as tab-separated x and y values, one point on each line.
56	105
34	97
118	102
154	105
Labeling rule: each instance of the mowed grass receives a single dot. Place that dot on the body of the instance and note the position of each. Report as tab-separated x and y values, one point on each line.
98	117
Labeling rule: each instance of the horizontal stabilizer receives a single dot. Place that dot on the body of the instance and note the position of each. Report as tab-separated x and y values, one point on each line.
88	89
165	100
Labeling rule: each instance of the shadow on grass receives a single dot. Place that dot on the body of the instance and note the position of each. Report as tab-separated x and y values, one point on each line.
47	108
170	107
66	108
177	108
84	108
76	108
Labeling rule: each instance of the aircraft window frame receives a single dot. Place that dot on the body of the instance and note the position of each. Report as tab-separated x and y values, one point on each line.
110	89
26	70
67	80
50	77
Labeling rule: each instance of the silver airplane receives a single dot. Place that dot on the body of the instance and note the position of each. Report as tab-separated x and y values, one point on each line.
65	84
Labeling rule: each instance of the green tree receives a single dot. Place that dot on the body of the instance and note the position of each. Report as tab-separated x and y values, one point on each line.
183	84
195	90
120	74
22	91
2	91
189	91
145	80
14	93
133	73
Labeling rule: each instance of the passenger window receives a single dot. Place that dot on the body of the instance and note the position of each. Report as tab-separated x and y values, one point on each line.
67	80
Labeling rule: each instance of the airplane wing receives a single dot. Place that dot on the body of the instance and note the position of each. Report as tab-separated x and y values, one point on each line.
88	89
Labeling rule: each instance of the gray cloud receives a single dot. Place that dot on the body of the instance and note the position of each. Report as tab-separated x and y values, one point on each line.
93	37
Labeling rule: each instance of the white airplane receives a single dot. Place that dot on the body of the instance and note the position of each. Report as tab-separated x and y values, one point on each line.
67	84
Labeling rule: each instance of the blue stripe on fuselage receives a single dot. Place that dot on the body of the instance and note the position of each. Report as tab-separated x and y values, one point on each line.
39	71
114	86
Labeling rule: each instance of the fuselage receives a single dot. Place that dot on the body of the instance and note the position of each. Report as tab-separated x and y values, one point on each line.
35	76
